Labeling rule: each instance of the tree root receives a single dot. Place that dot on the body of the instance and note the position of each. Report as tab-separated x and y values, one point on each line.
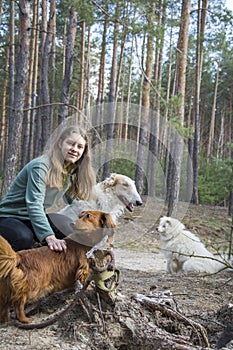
168	311
79	297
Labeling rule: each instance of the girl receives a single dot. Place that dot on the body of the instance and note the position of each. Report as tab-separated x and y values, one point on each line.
65	168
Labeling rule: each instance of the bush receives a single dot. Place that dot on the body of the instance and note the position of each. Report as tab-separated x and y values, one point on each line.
215	182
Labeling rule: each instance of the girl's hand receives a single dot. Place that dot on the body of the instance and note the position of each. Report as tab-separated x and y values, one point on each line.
56	244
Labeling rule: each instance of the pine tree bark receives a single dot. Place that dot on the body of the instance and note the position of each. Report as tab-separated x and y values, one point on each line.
212	122
52	78
143	134
14	139
69	64
3	133
100	92
38	119
98	118
44	114
31	150
155	116
87	95
112	96
202	13
11	62
118	77
81	70
128	96
230	206
27	121
176	152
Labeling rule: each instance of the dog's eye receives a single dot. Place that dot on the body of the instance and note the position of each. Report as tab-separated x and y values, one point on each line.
87	216
125	184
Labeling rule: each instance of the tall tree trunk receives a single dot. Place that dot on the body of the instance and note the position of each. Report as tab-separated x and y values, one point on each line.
14	139
52	77
202	12
143	135
164	150
98	122
120	62
64	43
128	96
69	64
45	88
31	150
155	116
230	206
100	91
38	120
112	95
27	122
81	70
1	12
177	146
220	147
11	64
87	95
212	122
3	129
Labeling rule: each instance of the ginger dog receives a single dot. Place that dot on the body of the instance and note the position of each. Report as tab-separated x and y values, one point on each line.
27	275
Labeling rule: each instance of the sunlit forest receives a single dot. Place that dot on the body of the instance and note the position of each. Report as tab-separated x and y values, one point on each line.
137	74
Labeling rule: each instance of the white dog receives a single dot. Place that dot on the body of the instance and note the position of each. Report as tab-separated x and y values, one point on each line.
184	251
112	196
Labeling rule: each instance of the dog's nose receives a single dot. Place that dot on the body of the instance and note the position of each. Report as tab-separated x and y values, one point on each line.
138	203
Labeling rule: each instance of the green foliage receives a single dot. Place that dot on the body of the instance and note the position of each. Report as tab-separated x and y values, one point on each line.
215	181
173	106
84	8
123	166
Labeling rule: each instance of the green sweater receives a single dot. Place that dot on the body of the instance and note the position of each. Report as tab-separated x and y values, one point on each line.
29	197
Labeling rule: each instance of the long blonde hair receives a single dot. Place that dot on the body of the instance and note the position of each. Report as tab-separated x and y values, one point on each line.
82	174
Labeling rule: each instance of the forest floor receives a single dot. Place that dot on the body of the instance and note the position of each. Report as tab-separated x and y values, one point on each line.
188	309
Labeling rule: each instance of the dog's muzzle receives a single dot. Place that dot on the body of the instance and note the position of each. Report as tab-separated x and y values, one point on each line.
138	203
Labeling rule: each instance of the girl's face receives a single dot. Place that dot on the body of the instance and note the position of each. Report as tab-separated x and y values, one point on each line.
72	148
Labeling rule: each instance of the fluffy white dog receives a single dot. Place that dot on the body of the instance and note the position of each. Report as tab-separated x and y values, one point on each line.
184	252
112	196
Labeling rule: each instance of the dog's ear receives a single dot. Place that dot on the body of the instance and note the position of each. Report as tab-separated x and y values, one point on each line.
107	221
110	181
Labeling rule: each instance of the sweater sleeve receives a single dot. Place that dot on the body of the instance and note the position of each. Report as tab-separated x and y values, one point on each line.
35	197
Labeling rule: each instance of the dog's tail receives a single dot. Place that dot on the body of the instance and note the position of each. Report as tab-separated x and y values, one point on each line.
8	258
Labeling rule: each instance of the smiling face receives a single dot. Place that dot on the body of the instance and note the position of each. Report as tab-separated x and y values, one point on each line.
72	148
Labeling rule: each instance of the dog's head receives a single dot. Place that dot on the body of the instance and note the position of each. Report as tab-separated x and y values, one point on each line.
92	226
124	188
169	227
92	219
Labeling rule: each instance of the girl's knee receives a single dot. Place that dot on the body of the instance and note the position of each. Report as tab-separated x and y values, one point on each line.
16	233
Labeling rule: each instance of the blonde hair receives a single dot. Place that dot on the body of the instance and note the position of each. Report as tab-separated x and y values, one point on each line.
82	174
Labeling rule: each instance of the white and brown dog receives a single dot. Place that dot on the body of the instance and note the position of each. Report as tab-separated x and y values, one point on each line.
184	252
112	196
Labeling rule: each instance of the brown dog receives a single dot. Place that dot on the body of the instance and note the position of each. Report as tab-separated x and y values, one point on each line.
27	275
